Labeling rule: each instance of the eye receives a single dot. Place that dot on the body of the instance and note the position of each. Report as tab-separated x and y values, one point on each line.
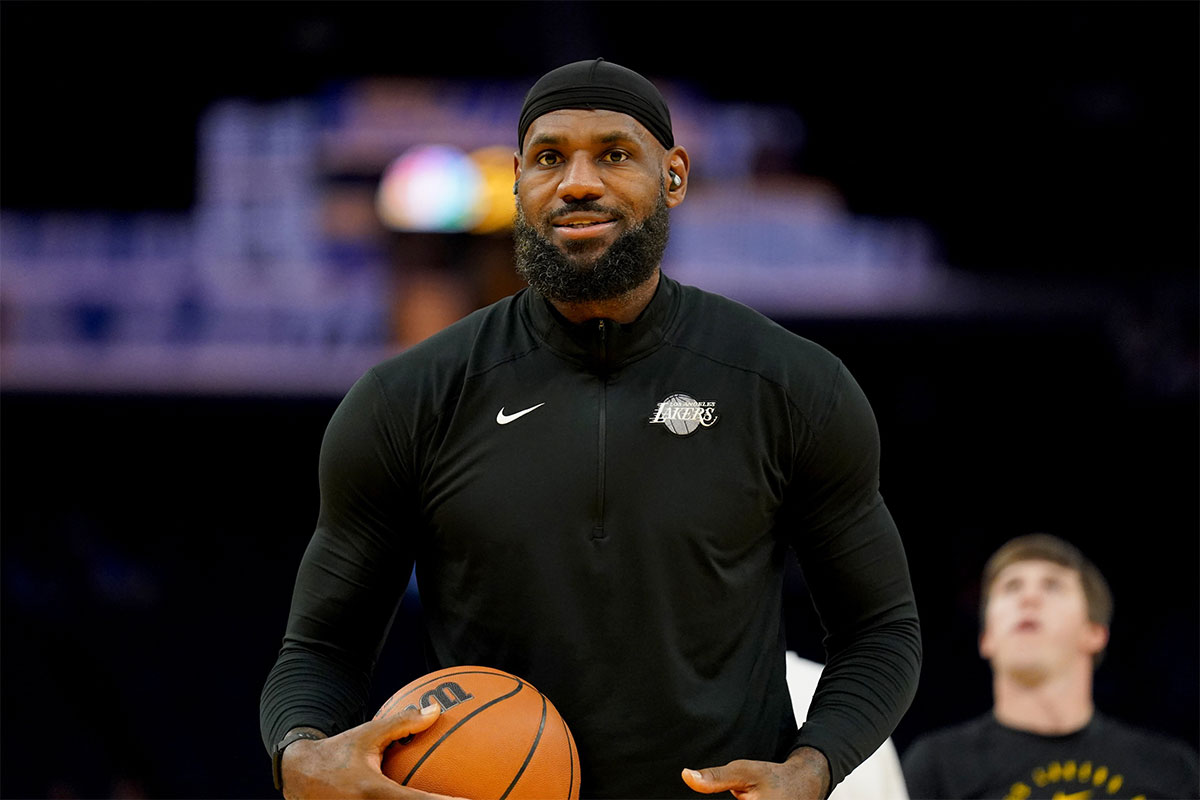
548	158
1011	586
615	156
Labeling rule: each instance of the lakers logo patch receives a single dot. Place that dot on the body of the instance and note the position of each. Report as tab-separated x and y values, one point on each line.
683	415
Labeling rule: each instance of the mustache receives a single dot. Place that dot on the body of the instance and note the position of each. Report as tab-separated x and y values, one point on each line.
584	205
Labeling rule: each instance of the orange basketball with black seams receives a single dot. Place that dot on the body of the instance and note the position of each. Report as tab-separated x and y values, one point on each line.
498	738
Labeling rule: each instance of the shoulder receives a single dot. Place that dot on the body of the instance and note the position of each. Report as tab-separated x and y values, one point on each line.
729	333
952	739
948	762
717	325
1151	744
1171	765
409	390
472	345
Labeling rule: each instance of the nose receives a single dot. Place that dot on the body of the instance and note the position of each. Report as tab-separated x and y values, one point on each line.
580	181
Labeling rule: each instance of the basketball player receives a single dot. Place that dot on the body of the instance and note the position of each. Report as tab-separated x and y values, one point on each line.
597	480
1045	612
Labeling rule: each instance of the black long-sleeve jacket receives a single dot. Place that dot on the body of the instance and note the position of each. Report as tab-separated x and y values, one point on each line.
605	510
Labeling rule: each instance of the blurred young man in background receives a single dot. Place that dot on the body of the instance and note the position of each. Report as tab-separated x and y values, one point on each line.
1046	611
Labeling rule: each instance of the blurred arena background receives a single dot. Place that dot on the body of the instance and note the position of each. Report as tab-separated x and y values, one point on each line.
207	232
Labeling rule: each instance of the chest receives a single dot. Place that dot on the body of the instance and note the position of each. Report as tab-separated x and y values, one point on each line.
671	447
1083	768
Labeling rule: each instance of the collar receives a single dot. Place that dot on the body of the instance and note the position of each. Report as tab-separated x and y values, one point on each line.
603	345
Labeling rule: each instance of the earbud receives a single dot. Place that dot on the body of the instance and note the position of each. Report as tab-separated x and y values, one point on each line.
515	186
676	181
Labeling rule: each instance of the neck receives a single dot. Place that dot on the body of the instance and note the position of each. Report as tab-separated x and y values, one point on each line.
623	309
1049	705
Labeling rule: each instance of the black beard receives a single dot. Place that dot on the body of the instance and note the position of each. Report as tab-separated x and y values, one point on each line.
625	265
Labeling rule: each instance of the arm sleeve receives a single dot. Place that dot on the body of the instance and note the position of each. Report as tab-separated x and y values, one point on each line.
352	576
854	564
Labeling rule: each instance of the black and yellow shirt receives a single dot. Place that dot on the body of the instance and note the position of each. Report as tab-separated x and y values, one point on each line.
1104	759
605	510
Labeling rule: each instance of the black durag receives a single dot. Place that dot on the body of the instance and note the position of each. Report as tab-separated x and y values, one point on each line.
598	84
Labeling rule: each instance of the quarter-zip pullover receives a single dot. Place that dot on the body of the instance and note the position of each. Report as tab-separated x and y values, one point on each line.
621	545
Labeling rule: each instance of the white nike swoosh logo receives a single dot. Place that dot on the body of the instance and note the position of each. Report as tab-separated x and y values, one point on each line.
504	419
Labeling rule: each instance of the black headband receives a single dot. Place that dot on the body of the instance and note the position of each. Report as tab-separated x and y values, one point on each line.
597	84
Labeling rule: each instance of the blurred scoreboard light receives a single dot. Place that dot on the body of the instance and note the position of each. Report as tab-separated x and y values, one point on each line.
496	167
442	189
430	188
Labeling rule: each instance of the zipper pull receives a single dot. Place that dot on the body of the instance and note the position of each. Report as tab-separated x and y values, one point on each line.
601	344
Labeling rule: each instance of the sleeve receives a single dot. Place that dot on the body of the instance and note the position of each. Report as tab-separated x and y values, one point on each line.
854	565
351	577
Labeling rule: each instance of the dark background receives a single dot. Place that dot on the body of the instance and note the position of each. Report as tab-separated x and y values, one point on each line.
150	541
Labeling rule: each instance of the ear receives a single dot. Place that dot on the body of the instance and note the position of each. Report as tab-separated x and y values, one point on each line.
985	646
516	166
1095	638
675	160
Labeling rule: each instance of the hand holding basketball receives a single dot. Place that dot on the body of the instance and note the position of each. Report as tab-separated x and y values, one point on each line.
497	736
348	764
805	775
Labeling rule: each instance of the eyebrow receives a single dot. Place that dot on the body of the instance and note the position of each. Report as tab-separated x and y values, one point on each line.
608	138
617	136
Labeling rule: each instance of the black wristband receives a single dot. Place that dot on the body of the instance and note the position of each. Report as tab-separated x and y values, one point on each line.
294	735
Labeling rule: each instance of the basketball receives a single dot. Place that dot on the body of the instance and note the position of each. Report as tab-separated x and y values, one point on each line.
498	738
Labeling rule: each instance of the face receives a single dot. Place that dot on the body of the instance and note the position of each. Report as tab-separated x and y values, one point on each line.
592	203
1036	623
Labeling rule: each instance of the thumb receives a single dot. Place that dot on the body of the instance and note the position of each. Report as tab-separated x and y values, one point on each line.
385	730
717	779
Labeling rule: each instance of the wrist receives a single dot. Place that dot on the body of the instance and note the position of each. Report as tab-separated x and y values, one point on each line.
813	763
301	733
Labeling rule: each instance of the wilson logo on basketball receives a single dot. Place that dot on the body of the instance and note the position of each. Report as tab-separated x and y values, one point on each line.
497	737
447	695
683	415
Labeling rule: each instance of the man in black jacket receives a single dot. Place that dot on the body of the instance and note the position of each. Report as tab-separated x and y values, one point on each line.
598	480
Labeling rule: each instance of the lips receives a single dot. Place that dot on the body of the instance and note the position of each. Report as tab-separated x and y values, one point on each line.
583	225
579	221
1028	626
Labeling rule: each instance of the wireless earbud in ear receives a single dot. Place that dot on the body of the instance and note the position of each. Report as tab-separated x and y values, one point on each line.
676	181
515	186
